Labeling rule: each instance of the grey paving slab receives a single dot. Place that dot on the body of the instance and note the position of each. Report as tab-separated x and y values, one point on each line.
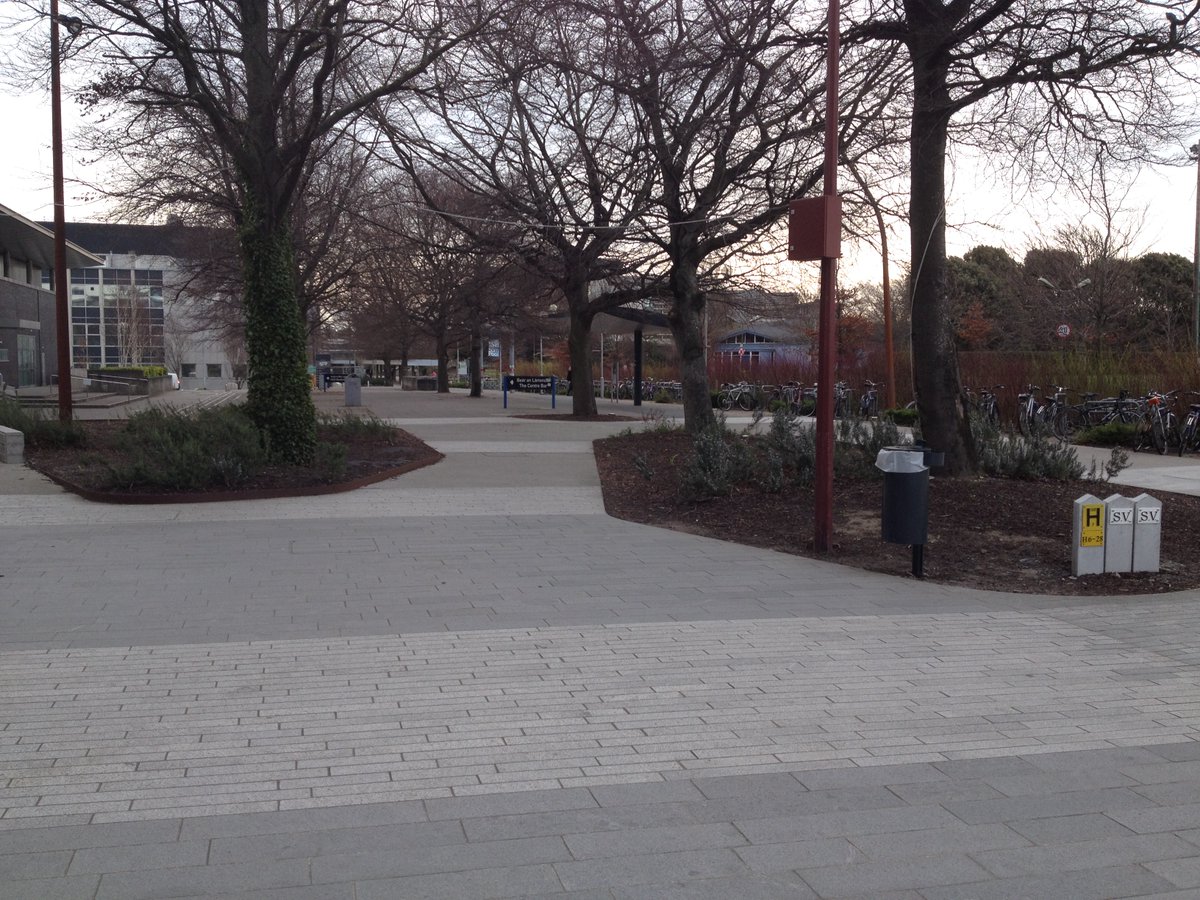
893	875
470	682
652	868
751	887
1094	884
508	881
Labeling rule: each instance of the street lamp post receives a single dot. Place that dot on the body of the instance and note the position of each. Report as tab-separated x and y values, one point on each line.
61	307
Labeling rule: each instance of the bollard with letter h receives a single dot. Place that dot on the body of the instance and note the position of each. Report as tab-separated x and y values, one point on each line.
1117	534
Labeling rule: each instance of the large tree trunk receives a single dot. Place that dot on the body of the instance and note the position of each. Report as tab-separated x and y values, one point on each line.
279	397
687	328
443	365
579	348
475	363
934	359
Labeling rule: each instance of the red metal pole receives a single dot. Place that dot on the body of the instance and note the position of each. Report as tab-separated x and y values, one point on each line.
827	329
61	307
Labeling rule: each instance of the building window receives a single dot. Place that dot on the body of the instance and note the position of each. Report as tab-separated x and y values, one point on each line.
214	370
188	370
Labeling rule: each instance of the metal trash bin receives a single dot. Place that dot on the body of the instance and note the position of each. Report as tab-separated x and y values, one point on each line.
353	391
904	518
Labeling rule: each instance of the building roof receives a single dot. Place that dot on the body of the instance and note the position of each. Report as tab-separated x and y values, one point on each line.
30	240
136	240
773	332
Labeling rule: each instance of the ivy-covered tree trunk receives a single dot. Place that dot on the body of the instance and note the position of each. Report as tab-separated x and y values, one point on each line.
279	396
687	328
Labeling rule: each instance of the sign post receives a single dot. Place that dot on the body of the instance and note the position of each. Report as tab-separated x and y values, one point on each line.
533	383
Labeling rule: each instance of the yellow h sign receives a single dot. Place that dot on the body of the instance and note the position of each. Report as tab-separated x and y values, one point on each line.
1091	532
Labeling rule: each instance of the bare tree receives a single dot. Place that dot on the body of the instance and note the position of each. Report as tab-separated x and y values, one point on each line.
1043	79
723	96
268	85
530	125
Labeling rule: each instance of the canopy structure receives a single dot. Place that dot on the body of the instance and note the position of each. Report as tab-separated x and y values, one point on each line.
26	239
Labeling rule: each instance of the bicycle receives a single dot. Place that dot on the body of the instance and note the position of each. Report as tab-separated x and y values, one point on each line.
1092	413
1034	417
1159	421
986	407
1189	434
842	396
740	395
868	404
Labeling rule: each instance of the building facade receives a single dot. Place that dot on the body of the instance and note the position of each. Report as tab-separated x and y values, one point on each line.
135	311
28	332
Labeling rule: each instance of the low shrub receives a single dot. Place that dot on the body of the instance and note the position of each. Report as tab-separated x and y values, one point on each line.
1110	434
1030	458
904	417
179	451
133	371
329	461
349	427
40	426
718	462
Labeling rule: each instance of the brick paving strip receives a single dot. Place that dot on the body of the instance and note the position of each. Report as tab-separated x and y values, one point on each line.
146	732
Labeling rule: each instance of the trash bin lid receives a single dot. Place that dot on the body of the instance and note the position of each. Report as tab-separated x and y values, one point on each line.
900	459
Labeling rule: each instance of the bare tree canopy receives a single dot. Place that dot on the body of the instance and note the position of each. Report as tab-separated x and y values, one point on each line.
268	85
528	124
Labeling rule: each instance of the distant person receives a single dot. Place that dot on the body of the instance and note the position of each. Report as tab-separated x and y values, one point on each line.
568	382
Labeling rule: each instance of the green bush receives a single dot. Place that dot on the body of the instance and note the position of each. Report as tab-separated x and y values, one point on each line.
863	440
348	427
903	417
329	461
1029	458
179	451
1110	434
718	462
794	447
40	427
134	371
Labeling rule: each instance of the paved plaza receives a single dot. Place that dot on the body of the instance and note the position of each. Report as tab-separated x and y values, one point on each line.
469	682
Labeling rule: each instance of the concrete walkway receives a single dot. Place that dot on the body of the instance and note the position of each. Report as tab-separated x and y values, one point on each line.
470	682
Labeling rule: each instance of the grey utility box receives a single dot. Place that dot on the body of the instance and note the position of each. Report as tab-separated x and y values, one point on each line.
353	391
905	516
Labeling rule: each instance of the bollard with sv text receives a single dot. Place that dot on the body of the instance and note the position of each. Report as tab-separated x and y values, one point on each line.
1147	533
1118	534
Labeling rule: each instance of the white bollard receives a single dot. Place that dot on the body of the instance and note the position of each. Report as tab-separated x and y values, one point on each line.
1087	545
1118	534
1147	533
